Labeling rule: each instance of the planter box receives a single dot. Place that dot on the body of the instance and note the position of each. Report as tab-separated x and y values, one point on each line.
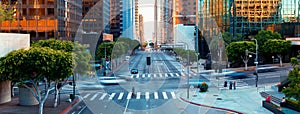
5	91
26	98
290	106
272	108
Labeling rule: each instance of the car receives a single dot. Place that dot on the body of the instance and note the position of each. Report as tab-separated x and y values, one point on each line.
111	80
225	72
237	75
195	82
266	68
134	71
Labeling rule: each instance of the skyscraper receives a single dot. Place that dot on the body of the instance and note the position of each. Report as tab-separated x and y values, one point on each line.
141	29
44	19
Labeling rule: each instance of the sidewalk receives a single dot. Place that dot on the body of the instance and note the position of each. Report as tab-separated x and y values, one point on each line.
245	100
13	107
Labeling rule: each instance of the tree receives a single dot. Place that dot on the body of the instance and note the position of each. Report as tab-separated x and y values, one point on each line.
104	49
186	54
293	88
118	50
236	51
277	47
6	13
81	56
227	37
265	35
36	64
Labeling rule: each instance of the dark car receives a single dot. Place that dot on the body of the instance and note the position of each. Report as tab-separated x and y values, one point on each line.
134	71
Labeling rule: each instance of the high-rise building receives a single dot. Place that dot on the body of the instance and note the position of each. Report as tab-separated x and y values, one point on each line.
44	19
141	29
116	18
136	21
96	16
128	18
166	19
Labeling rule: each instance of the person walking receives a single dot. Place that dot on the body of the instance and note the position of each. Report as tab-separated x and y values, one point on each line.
234	84
230	85
225	84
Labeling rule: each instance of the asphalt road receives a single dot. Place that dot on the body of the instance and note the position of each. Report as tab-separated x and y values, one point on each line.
157	89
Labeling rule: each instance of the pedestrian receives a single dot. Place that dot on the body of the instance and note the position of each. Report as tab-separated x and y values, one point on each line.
268	99
234	84
230	85
225	84
283	101
133	92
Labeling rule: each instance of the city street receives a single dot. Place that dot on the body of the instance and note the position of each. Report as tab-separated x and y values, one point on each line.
156	89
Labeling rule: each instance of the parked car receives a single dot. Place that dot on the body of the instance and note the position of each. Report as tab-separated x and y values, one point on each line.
111	80
134	71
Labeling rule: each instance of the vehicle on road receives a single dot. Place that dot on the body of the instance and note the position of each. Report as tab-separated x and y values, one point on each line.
237	75
134	71
195	82
266	68
111	80
225	72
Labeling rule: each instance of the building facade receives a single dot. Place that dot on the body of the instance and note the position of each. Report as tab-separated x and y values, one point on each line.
116	14
128	19
136	21
44	19
141	29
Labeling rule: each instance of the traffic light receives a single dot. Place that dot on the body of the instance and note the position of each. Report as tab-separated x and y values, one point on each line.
148	61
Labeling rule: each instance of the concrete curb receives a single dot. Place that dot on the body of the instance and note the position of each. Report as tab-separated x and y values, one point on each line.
224	109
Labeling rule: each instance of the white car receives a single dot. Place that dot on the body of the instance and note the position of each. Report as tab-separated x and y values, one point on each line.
225	72
111	80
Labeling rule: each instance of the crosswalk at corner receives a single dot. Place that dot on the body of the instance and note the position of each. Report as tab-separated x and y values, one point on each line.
161	75
102	96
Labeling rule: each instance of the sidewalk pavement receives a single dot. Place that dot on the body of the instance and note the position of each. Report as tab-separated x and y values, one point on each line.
241	100
13	107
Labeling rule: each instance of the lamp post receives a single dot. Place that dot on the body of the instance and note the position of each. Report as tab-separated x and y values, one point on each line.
256	62
197	54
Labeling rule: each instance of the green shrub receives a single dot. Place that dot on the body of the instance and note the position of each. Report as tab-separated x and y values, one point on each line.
295	103
203	87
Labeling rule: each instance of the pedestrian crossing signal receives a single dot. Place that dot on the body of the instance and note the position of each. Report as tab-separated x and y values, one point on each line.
148	61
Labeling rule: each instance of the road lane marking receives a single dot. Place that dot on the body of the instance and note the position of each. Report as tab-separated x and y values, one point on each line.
160	75
182	74
166	75
164	95
171	74
147	95
102	97
173	95
177	75
138	95
154	75
112	96
87	95
94	96
143	75
120	96
155	95
132	76
129	95
137	76
148	75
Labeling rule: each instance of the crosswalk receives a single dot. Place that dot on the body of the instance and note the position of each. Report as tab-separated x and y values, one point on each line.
161	75
163	95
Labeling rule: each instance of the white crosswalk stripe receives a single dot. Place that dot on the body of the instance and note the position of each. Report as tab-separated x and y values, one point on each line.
124	95
171	74
87	95
129	95
94	96
137	76
120	95
149	75
132	76
103	96
143	75
147	95
166	75
182	74
160	75
173	95
164	95
155	95
112	96
138	95
177	75
154	75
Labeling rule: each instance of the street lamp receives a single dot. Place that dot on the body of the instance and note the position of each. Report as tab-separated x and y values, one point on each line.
256	62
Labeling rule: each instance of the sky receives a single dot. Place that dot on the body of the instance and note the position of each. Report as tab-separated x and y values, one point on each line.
146	8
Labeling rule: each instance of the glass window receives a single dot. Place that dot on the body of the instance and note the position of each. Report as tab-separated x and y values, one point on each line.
50	2
41	1
41	12
50	11
31	1
24	2
31	11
